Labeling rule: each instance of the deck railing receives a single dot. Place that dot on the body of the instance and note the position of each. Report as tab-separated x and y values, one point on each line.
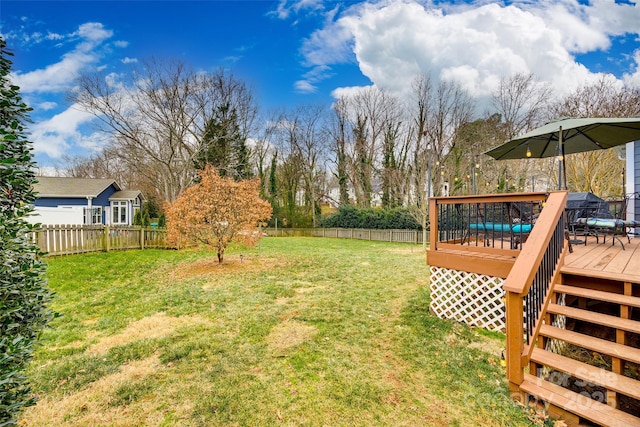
75	239
529	285
497	223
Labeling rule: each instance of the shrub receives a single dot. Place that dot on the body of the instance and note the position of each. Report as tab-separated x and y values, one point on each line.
353	217
146	219
23	290
137	218
217	211
162	221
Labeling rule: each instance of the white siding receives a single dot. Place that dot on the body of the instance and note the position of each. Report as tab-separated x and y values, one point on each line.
63	215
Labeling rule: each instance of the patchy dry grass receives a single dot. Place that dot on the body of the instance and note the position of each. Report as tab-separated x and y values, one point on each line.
94	404
158	325
297	331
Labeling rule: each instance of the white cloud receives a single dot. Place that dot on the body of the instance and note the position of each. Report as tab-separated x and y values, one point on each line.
633	77
127	60
94	32
59	76
54	36
473	44
47	105
54	137
286	8
304	86
315	75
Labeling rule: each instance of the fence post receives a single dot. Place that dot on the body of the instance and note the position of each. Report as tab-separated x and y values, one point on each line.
106	243
42	238
141	237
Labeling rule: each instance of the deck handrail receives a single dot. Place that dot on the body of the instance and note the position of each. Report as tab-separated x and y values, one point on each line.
531	281
470	207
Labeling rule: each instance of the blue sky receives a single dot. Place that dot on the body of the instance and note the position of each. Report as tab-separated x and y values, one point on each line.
309	51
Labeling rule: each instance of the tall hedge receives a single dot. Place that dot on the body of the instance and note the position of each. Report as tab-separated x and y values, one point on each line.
383	219
23	289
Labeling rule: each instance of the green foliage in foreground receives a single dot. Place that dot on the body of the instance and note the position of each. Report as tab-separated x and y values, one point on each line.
296	331
23	291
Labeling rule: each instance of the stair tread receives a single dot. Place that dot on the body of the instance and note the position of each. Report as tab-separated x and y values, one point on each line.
589	373
596	344
599	295
578	404
598	318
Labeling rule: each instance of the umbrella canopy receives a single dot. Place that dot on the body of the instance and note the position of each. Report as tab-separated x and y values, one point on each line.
569	136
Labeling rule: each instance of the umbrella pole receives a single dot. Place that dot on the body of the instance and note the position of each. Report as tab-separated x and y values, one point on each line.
559	159
562	172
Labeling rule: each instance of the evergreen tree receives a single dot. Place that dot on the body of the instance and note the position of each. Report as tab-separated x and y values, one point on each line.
146	219
224	147
137	218
23	289
273	190
273	183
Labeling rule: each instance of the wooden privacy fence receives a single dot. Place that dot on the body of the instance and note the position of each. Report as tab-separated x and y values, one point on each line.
75	239
399	236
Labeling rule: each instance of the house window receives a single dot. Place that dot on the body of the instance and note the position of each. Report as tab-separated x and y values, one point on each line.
119	211
93	215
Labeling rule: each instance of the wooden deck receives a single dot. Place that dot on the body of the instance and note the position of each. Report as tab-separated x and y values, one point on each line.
606	261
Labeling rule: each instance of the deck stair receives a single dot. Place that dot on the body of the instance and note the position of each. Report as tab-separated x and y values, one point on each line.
601	389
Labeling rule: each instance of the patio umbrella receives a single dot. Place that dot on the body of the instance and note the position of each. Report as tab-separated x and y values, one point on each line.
569	136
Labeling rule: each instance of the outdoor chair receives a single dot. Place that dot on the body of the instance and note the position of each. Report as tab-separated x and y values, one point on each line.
578	228
598	224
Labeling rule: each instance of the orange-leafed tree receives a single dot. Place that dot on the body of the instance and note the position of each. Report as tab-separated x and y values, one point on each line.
216	212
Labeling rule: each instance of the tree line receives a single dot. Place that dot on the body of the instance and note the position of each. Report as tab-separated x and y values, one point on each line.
165	122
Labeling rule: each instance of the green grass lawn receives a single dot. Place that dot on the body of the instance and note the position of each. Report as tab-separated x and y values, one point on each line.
296	331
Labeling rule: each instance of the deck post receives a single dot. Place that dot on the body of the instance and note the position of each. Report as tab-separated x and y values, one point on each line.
515	339
433	224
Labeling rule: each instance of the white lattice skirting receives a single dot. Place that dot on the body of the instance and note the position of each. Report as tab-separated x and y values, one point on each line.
474	299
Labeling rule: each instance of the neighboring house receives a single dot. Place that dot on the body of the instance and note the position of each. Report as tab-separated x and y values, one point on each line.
84	201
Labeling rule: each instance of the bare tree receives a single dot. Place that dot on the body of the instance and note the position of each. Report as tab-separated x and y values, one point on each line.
340	131
419	175
365	130
156	119
521	101
597	171
438	112
307	142
472	169
604	98
451	108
